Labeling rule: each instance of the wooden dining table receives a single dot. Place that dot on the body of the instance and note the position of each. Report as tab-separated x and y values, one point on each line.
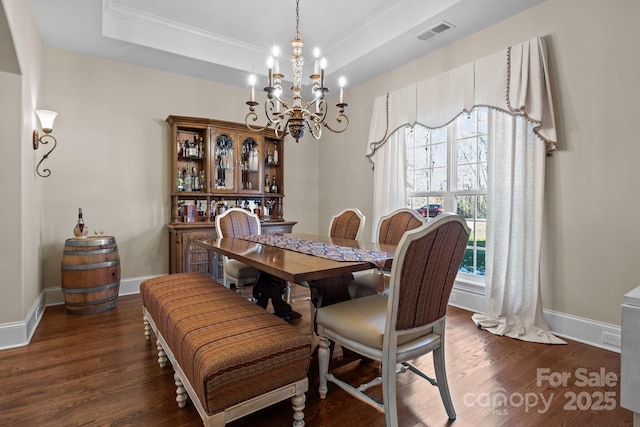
327	279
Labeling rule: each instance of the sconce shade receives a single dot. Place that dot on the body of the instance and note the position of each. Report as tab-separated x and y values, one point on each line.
46	119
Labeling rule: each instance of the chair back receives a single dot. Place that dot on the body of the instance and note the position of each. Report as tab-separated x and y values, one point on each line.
348	224
392	227
424	270
236	222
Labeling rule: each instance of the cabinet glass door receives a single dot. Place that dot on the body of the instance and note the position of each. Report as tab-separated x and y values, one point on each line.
250	165
224	158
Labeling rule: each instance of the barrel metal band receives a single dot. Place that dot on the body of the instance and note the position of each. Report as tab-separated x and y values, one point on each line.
96	309
91	289
91	266
92	252
91	242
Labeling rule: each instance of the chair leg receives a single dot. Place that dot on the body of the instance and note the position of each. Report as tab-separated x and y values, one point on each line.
389	392
443	385
240	287
324	355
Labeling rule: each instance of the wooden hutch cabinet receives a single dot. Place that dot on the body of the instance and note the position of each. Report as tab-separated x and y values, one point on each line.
216	165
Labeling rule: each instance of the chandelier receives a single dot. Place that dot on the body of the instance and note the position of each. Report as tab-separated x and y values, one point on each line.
295	118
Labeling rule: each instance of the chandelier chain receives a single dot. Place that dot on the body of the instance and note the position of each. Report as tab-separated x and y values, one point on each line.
297	19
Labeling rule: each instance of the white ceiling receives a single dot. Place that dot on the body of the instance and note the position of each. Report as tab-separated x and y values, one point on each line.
225	41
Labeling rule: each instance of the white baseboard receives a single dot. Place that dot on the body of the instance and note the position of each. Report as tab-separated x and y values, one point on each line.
563	325
471	298
18	334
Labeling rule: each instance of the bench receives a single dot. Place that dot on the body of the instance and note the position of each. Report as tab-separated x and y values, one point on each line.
230	357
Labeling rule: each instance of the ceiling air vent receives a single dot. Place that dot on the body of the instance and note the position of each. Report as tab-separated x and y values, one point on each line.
435	30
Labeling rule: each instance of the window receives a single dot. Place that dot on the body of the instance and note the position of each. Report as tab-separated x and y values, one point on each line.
447	172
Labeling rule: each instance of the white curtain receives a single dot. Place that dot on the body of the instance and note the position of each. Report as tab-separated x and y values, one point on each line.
515	199
389	179
515	82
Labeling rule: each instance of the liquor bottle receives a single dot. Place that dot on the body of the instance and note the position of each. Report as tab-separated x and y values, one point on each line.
80	231
201	148
275	155
180	183
188	182
179	146
274	186
196	179
266	183
203	181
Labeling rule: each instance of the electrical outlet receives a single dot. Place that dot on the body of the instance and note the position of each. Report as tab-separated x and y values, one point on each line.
611	339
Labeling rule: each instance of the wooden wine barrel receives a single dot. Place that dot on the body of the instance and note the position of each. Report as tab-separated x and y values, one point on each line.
90	274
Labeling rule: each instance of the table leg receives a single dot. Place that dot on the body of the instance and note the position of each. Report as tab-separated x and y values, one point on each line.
268	287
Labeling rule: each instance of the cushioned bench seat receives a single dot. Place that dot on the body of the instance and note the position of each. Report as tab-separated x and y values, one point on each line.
232	356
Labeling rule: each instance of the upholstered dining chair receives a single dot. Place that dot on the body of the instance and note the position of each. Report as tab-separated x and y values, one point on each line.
348	224
236	222
405	324
390	230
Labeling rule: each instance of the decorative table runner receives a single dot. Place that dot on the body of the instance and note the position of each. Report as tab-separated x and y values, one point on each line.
323	250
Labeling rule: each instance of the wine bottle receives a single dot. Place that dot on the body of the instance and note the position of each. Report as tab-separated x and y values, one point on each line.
203	181
80	231
275	155
180	183
266	183
196	179
274	186
188	183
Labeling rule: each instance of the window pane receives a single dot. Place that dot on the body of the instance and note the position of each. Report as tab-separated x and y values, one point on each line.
421	158
439	155
482	176
481	212
439	135
439	181
467	151
421	183
466	177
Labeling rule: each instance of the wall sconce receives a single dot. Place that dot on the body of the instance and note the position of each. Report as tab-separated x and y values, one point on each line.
46	121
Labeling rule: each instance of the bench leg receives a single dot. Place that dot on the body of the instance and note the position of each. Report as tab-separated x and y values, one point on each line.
162	356
147	328
297	402
181	392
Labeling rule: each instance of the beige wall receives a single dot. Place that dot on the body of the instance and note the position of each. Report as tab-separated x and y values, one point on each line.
112	157
21	216
592	243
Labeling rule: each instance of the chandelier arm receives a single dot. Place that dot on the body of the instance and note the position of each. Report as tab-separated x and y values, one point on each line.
314	128
339	118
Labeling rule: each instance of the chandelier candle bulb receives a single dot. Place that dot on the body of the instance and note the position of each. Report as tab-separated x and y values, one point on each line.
252	82
270	65
276	52
316	65
341	82
323	65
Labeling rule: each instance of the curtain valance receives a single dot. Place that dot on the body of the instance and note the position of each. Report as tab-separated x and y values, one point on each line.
515	81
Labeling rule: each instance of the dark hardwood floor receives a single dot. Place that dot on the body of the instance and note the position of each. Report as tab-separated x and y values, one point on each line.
98	370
